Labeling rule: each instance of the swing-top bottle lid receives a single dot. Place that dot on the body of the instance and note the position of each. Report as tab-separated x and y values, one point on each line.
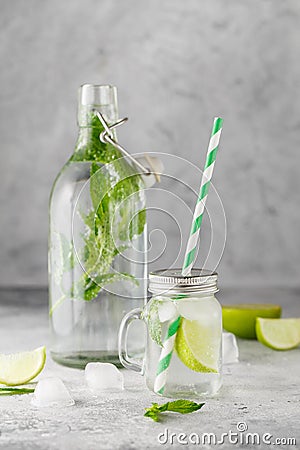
173	282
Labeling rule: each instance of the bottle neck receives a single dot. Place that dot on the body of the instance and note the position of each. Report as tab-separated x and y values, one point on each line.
92	98
90	128
87	117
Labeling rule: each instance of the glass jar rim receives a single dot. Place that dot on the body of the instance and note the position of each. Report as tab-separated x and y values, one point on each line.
172	281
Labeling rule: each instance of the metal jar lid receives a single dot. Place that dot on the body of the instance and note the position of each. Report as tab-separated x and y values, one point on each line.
171	281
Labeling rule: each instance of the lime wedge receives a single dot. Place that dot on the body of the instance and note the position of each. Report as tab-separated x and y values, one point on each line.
19	368
240	319
197	346
279	334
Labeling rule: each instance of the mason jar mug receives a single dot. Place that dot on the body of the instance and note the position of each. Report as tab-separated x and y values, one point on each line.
183	354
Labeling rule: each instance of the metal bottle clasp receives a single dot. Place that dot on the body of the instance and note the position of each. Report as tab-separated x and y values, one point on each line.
107	137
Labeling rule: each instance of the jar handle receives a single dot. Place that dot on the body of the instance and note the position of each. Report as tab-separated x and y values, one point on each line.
126	361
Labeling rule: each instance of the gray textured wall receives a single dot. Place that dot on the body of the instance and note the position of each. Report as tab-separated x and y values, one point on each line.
171	59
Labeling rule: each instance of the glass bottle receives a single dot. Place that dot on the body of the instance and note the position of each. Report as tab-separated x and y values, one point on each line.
97	241
184	335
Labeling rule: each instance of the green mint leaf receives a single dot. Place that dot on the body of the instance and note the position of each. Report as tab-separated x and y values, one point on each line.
93	286
184	406
154	415
164	407
153	412
120	249
89	219
154	324
179	406
100	187
88	288
137	224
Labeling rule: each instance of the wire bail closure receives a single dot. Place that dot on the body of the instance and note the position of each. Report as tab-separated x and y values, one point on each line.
107	138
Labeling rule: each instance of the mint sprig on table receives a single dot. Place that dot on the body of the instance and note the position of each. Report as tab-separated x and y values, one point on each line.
179	406
115	188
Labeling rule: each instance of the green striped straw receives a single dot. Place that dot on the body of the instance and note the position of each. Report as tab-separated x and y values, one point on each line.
190	254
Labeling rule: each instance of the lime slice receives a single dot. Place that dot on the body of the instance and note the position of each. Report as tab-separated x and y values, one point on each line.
240	319
279	334
19	368
198	346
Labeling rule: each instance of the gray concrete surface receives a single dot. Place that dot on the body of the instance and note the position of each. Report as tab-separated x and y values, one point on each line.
262	391
176	64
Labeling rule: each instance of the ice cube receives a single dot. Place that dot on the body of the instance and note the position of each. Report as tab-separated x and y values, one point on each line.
51	392
167	311
230	348
204	311
103	377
